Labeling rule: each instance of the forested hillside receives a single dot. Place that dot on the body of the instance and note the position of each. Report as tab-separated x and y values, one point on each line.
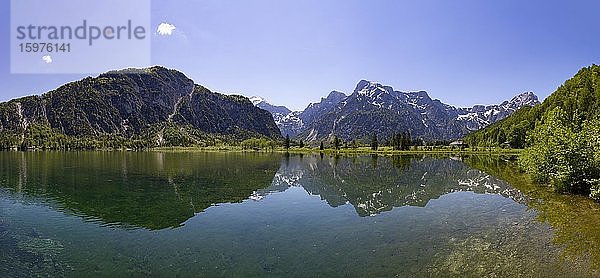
578	98
134	108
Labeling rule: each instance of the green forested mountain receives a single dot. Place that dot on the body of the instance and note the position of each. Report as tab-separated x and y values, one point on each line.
578	98
561	136
131	108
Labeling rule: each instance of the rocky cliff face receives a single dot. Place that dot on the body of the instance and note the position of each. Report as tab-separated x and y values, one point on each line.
133	102
375	108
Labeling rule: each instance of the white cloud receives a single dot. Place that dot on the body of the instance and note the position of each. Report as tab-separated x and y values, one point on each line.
47	59
165	29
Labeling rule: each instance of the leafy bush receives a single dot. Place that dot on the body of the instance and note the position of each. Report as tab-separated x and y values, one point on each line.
258	143
564	154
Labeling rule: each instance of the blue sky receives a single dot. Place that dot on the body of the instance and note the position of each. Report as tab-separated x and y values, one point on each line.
462	52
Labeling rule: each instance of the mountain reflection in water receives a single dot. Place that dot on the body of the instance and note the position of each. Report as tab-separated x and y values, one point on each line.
163	190
257	214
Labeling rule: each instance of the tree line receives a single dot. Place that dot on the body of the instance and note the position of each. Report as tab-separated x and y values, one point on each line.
398	141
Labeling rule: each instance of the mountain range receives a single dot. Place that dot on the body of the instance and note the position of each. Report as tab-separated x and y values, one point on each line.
156	106
376	108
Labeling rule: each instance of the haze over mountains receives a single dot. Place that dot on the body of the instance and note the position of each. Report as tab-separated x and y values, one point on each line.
376	108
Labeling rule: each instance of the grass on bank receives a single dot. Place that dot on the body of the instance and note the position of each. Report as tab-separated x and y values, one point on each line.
358	150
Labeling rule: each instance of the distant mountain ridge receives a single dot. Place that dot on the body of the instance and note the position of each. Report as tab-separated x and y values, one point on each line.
373	107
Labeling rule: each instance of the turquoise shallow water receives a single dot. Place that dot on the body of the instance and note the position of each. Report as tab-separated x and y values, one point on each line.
256	215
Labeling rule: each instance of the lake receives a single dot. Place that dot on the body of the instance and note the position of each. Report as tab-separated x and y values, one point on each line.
255	215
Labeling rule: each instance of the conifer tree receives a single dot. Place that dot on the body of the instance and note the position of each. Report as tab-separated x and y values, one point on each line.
374	143
336	142
286	144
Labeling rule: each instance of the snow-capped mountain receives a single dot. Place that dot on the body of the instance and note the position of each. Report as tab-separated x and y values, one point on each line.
375	108
295	122
480	116
290	124
278	112
256	100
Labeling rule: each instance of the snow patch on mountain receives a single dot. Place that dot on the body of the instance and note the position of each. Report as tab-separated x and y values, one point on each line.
427	118
256	100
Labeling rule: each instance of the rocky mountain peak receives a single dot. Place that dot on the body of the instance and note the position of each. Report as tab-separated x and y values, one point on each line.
256	100
420	99
524	99
335	96
419	95
277	111
362	84
373	106
156	71
371	89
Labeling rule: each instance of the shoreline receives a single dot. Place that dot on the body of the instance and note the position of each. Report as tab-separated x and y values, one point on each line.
293	150
359	151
